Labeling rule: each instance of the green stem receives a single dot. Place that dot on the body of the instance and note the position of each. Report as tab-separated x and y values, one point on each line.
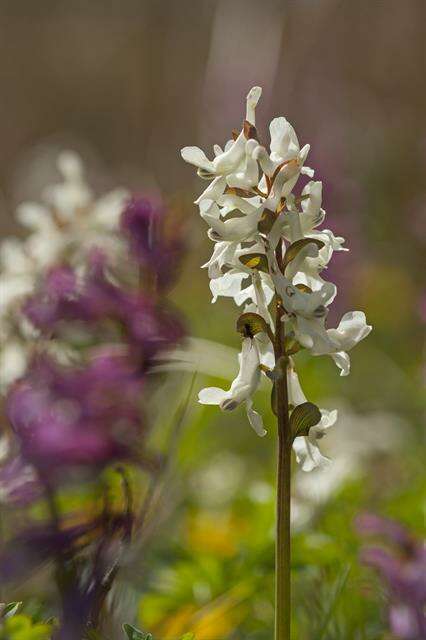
282	555
282	548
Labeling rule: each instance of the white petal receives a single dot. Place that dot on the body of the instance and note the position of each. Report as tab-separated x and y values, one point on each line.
197	157
229	160
107	210
70	165
343	361
308	455
328	418
255	419
352	328
284	142
13	257
211	395
252	99
208	210
228	285
13	361
214	190
295	391
261	155
34	216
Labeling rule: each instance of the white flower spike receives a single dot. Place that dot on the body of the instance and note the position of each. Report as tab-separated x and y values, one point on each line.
268	247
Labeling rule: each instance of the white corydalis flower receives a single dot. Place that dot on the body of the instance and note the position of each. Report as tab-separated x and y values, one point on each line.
306	448
251	211
242	388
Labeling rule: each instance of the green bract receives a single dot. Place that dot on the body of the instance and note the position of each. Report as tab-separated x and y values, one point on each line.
303	417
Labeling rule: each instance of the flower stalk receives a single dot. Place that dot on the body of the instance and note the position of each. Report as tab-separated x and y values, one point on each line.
282	544
267	248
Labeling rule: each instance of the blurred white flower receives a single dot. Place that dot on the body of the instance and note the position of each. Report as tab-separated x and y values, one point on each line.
64	227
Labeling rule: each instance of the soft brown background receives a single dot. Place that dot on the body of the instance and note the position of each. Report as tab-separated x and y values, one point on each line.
131	81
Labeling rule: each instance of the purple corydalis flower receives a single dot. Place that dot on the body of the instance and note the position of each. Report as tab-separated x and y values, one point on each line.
143	222
96	298
77	415
402	564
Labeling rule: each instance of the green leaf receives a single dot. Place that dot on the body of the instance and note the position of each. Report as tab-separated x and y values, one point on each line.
340	586
295	247
266	221
10	609
188	636
257	261
135	634
248	324
303	417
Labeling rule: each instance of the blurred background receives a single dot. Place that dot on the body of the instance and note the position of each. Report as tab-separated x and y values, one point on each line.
127	84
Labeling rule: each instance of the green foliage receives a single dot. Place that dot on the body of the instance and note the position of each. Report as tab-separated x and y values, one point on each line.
303	417
135	634
10	609
21	627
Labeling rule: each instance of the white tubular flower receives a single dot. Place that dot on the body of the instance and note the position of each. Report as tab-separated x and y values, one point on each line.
213	191
306	448
285	148
269	247
228	285
248	176
235	229
260	292
353	328
223	254
228	161
243	387
312	214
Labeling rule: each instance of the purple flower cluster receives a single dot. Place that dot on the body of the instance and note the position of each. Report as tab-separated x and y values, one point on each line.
91	414
402	564
77	415
72	420
95	300
143	222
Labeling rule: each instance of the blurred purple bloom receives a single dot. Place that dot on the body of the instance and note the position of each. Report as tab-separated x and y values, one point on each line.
403	566
82	415
143	222
369	524
97	298
19	484
29	549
